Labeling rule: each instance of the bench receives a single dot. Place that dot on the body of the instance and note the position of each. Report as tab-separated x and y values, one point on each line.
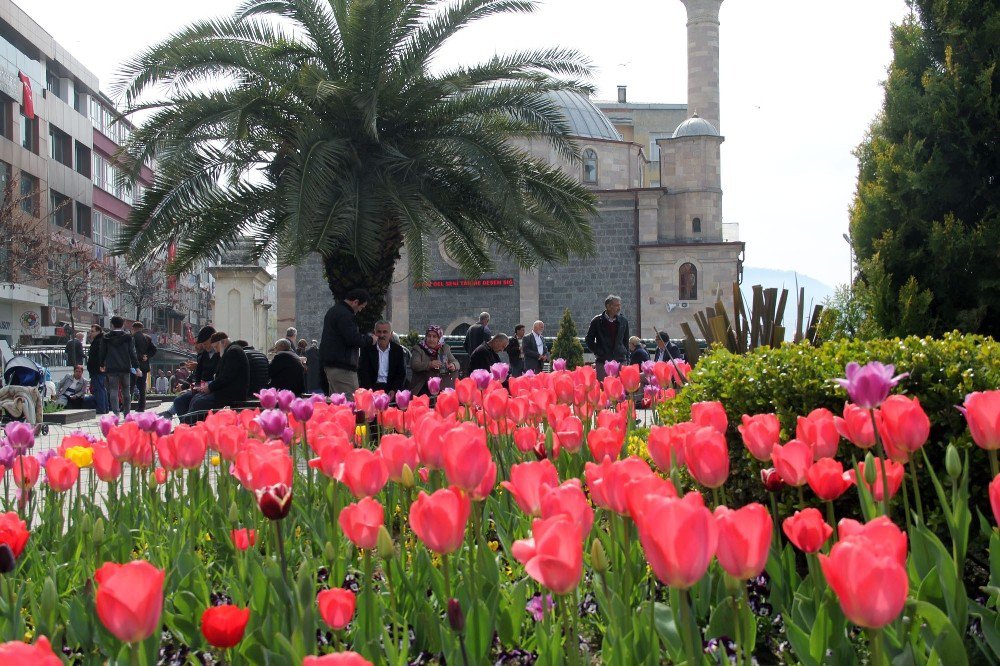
67	416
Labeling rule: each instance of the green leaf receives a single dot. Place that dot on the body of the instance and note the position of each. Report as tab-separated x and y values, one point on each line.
943	641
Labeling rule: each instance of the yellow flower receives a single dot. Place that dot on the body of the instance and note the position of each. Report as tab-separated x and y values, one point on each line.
494	545
216	460
361	431
81	456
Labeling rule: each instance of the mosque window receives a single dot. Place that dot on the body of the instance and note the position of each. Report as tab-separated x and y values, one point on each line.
589	166
688	280
696	225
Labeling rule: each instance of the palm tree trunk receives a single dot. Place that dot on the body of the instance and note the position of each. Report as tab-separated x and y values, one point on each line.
343	273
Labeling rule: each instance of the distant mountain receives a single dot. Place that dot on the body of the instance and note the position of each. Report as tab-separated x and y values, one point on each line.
816	291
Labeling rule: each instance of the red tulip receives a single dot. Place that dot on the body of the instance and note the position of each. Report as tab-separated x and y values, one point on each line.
61	473
994	492
679	537
871	585
744	540
124	440
613	420
360	522
608	481
982	412
637	492
613	388
39	654
827	479
631	377
554	554
467	459
364	473
792	461
885	535
667	441
856	426
130	599
525	438
605	442
223	626
771	480
528	482
243	538
710	415
166	451
397	451
807	530
447	403
26	469
903	426
160	475
707	456
760	433
13	532
819	431
877	489
439	519
569	434
264	464
337	659
107	467
336	606
568	500
190	445
274	501
332	454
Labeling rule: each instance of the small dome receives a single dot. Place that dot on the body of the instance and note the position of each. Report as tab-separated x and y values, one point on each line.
695	126
585	119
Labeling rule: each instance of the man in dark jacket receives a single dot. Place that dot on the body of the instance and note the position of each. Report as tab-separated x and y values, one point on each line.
485	355
97	378
74	350
514	354
340	347
534	348
118	362
231	378
260	376
608	334
146	350
383	365
478	333
286	370
204	371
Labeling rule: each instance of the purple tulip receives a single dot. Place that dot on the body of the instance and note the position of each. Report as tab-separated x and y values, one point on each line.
558	365
869	385
268	398
317	398
7	455
611	368
500	371
44	456
481	378
434	385
338	399
86	435
107	422
403	399
647	368
650	391
145	420
164	426
529	373
301	409
285	399
20	435
287	435
273	422
537	607
380	401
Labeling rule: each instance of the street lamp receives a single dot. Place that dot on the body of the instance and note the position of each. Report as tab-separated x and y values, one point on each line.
850	256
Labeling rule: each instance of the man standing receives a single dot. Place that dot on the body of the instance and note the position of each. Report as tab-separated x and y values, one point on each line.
118	361
534	349
291	334
162	383
514	352
340	347
97	378
477	333
72	389
231	378
74	350
607	335
485	355
382	366
145	349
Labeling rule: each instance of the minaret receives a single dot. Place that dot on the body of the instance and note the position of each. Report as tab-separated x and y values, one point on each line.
703	59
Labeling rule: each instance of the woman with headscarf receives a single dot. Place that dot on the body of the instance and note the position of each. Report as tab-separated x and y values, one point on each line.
431	358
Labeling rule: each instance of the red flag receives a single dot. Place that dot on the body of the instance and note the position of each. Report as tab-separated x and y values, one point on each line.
27	101
171	255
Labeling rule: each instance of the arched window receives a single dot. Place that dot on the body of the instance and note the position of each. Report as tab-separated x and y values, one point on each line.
696	225
688	281
589	166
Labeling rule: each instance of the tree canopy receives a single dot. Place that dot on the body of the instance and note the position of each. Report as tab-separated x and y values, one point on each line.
319	126
925	221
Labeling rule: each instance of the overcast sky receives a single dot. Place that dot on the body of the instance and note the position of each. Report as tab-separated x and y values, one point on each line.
800	85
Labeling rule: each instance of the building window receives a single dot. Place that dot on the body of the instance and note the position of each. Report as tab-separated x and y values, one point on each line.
29	133
29	193
696	225
83	219
83	159
6	117
688	280
5	185
52	82
61	210
105	229
60	146
589	166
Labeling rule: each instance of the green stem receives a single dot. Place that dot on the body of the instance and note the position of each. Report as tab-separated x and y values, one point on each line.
738	624
654	643
692	644
562	601
447	578
776	542
370	601
916	492
832	519
281	556
817	583
133	654
885	477
876	646
994	466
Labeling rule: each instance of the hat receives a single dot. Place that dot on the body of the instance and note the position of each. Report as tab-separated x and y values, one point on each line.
204	334
663	336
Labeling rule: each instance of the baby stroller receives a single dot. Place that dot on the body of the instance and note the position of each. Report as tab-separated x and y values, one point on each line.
23	392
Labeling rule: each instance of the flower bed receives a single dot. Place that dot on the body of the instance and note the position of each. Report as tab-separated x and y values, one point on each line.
497	526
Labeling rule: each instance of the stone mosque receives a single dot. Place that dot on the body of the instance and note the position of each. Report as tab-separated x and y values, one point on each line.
660	239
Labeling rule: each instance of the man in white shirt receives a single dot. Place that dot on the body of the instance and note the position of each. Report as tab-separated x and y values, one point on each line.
382	366
162	383
533	347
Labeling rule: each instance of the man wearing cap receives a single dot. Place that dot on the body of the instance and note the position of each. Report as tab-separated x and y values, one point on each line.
232	377
204	371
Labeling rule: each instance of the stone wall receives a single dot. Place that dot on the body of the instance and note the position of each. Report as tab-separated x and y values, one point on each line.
312	298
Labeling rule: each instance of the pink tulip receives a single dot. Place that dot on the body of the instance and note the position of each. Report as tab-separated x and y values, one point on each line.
528	482
553	556
760	433
679	537
744	540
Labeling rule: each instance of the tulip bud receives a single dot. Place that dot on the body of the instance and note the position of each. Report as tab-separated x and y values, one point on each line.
386	549
456	619
151	480
49	601
407	476
871	473
952	463
329	552
7	559
598	558
87	524
98	536
234	513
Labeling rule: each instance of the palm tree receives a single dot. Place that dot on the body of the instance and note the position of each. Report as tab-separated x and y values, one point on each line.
318	126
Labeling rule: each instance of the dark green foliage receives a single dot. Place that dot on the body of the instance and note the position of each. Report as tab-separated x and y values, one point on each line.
567	344
319	126
925	221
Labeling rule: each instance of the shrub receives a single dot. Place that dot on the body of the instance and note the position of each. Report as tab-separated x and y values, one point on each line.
567	345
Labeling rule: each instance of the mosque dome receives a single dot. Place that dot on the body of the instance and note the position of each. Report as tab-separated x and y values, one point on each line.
695	126
585	119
